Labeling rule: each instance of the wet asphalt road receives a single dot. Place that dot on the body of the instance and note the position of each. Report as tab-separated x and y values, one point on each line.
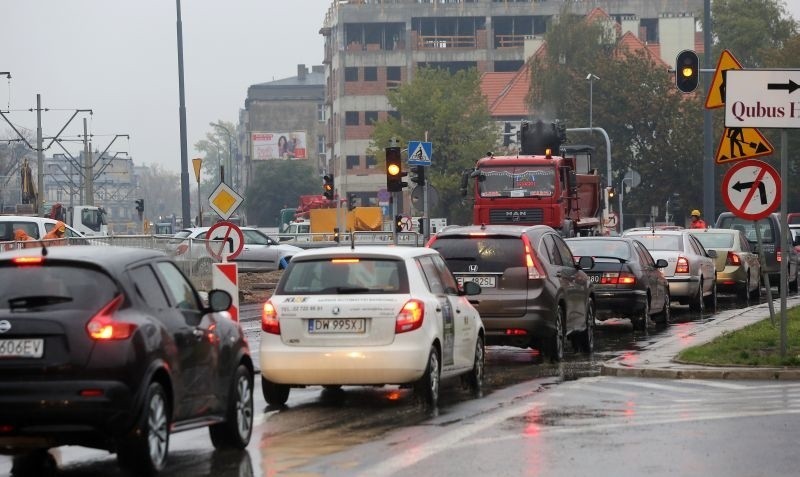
317	423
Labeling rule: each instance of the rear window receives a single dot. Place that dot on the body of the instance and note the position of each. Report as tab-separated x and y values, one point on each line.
30	288
600	249
484	254
749	229
7	229
715	240
661	242
344	275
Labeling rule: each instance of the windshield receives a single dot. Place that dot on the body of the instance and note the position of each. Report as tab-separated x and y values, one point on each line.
748	227
347	275
600	248
32	288
519	181
92	218
715	240
660	242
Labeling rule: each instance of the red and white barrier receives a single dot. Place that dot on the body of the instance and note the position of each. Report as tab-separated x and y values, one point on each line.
225	276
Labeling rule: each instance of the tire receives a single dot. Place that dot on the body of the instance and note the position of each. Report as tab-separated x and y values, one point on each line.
793	285
235	432
664	315
639	321
697	303
743	294
145	448
275	394
475	377
554	348
427	387
584	340
711	300
756	294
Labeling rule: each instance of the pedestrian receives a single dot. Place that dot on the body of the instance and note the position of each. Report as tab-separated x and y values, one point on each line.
697	222
56	236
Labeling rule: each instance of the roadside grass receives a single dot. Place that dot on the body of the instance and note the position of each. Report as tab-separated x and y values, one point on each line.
756	345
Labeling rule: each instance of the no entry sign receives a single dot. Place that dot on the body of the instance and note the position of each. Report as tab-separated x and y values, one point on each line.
752	189
224	237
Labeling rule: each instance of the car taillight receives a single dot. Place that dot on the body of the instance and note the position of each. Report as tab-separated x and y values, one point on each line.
682	266
27	261
778	255
103	326
182	248
732	259
269	319
410	316
534	268
617	278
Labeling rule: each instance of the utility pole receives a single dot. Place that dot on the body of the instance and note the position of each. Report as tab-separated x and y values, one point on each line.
87	165
185	210
39	158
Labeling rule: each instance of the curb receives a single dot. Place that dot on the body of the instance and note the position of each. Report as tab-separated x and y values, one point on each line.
707	372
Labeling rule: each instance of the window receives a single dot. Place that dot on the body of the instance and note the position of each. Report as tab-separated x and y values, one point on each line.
393	73
321	112
431	274
351	118
321	144
395	115
370	117
351	74
370	73
178	288
147	286
372	163
353	162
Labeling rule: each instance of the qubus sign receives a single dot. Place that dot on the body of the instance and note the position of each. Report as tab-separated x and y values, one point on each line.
762	98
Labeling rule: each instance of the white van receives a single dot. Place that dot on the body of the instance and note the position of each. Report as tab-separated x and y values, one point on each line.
35	227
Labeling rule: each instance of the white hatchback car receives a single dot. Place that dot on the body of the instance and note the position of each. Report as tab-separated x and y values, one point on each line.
370	315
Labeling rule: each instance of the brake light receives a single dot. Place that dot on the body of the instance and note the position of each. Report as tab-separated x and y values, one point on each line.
23	261
344	260
516	332
269	319
778	255
682	266
732	259
410	316
103	326
534	268
617	278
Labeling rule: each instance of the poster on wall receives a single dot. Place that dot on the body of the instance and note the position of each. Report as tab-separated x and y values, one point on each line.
279	145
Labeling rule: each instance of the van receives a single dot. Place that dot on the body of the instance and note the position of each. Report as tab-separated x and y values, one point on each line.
35	227
770	228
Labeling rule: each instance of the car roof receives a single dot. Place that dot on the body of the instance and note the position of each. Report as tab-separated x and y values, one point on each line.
598	238
34	219
713	230
375	251
511	230
630	233
114	259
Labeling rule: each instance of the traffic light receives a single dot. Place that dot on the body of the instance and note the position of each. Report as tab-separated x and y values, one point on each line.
421	222
140	207
394	170
687	71
398	223
508	133
327	186
611	192
417	175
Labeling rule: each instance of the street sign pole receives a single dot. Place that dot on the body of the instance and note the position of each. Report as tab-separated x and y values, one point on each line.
784	243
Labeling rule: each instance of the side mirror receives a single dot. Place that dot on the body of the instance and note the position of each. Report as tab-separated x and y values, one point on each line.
471	288
661	263
585	263
219	300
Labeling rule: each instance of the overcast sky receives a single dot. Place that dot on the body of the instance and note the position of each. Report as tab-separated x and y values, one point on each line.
119	58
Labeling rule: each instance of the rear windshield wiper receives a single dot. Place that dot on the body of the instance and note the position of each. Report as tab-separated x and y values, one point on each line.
34	301
345	290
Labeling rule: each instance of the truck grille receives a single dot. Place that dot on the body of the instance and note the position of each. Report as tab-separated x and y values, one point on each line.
516	216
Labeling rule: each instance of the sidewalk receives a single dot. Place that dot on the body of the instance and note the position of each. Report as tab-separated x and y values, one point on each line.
656	360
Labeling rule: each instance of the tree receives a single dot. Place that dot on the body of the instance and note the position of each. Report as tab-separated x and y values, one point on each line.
750	29
277	184
157	187
451	110
653	128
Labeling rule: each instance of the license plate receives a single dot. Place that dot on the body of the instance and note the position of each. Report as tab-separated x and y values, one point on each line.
484	282
337	325
26	348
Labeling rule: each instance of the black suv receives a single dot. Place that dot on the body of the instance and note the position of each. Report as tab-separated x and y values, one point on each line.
112	348
532	292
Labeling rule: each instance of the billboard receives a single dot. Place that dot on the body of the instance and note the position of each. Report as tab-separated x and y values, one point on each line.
279	145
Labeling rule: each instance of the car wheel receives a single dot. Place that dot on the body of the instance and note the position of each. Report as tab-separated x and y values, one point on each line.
756	293
584	340
743	293
427	387
793	285
711	300
235	432
555	344
639	321
697	303
664	315
475	377
146	446
275	394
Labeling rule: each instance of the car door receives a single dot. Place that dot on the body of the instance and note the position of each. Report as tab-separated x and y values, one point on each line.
465	326
259	252
443	311
707	268
196	339
653	277
574	282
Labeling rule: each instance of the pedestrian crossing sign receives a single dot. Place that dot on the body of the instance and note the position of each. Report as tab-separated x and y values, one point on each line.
419	153
742	143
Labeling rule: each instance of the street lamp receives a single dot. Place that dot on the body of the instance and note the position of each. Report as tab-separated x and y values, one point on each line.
230	154
590	78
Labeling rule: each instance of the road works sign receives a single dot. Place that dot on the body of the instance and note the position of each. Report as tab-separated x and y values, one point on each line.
742	143
419	153
751	189
763	98
716	93
224	238
224	200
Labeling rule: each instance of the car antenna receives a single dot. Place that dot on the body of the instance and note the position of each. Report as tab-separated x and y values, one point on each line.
352	239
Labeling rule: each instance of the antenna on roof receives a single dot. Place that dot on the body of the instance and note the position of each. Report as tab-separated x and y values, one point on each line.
352	239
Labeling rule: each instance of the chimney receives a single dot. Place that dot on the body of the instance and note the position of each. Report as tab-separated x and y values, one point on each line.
301	72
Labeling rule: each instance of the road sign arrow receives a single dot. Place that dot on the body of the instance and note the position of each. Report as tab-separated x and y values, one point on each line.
762	189
790	87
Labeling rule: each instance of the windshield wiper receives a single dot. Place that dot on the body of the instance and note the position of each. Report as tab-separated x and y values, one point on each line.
34	301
